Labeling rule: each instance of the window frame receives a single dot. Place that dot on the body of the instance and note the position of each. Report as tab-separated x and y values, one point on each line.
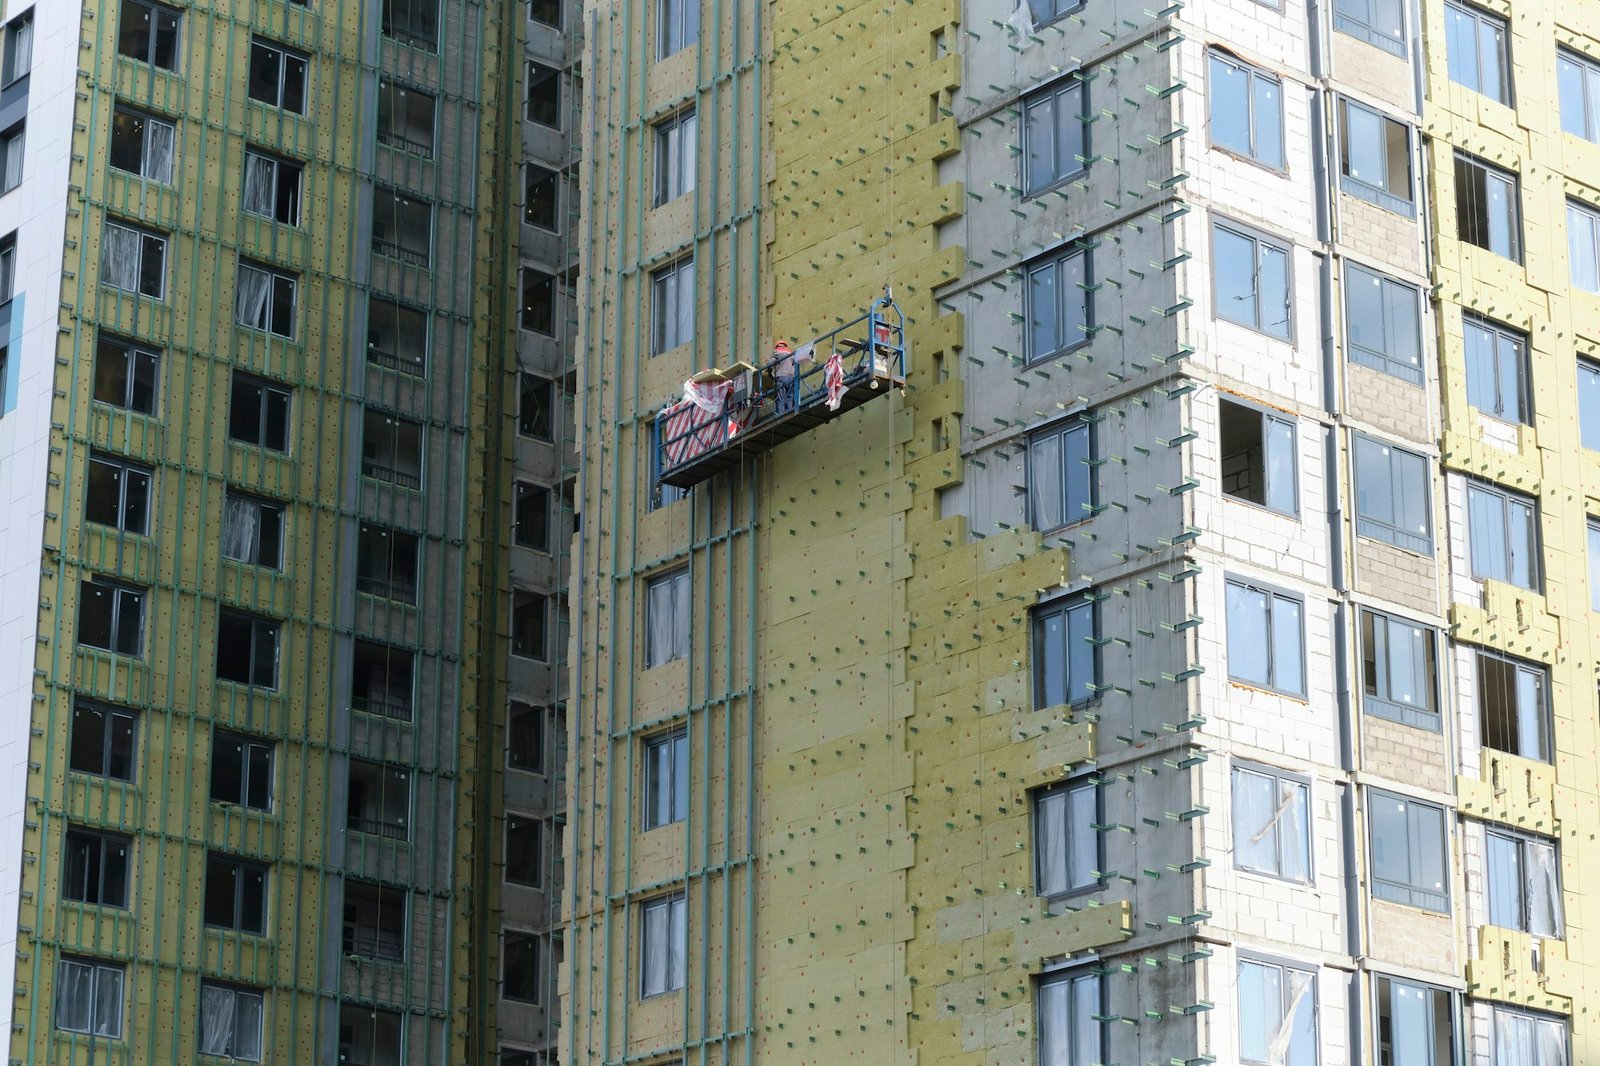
1070	976
374	820
530	280
99	969
239	994
673	903
681	603
406	322
1586	215
536	825
521	492
540	74
260	628
1258	242
542	714
375	900
541	600
120	591
678	132
280	165
251	750
1288	1001
1067	608
536	954
1363	29
1434	994
525	427
383	465
148	240
675	743
1061	9
393	94
240	868
109	714
1501	1012
1592	528
1407	893
529	181
1281	781
1057	433
132	352
667	295
413	33
1513	182
1058	264
153	45
1506	499
1375	193
383	575
1589	429
1273	594
1539	675
151	120
285	53
262	507
1266	416
1498	333
265	390
11	73
268	322
99	863
1379	529
1382	704
1077	882
1218	56
1525	887
1587	69
127	476
674	30
1481	20
397	249
1050	97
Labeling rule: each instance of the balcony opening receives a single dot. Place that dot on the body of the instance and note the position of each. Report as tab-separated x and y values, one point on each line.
380	800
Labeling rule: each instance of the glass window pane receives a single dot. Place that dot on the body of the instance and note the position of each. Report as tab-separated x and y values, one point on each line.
1255	806
1260	1009
1502	871
1569	81
1287	669
1247	634
1269	121
1044	327
1233	274
1589	405
1230	106
1275	317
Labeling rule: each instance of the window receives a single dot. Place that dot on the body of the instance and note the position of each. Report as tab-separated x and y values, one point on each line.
1246	110
1271	824
1055	134
18	59
252	530
1504	535
89	995
1486	208
1265	639
142	145
379	800
1578	78
530	524
104	740
1589	404
111	616
519	967
1408	851
679	26
402	227
666	778
1399	670
405	118
1071	1032
95	867
1583	245
1375	157
524	850
230	1022
277	76
536	403
382	680
387	563
525	738
125	375
1066	844
1525	1039
148	33
272	187
667	618
5	361
1066	664
247	649
391	449
13	142
397	336
241	771
370	1035
8	266
541	197
1513	704
529	620
672	306
1594	565
676	154
1393	501
133	260
1045	11
1524	886
1058	304
1496	370
1252	281
1415	1024
415	22
258	413
544	95
265	299
546	12
117	493
1060	476
236	894
663	944
1277	1014
374	921
1476	42
1258	457
538	302
1378	22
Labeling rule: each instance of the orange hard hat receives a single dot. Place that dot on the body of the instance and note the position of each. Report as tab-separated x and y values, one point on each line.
780	346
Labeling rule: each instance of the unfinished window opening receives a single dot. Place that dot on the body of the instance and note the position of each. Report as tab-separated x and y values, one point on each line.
545	12
536	406
406	118
1258	457
382	680
391	449
374	921
387	563
247	649
241	770
530	527
104	740
142	144
541	199
525	737
1487	207
272	187
402	226
252	530
412	22
519	966
370	1035
148	33
277	76
265	299
544	95
95	867
111	616
236	894
524	850
397	336
1513	701
125	375
530	613
379	800
538	302
117	493
1526	1038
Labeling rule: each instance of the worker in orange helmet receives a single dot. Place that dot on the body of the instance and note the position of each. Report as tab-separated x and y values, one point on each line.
784	372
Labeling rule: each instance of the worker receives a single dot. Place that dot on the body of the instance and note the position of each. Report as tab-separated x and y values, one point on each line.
784	372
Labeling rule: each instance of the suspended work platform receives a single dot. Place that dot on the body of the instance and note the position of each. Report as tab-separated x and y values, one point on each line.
725	415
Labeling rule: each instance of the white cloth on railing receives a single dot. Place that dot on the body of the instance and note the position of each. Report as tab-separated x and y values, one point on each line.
833	380
709	396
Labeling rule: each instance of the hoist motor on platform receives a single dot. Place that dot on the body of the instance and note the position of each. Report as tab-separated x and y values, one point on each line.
726	414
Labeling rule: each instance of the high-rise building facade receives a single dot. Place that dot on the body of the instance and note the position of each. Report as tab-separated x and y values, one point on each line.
1188	665
284	536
